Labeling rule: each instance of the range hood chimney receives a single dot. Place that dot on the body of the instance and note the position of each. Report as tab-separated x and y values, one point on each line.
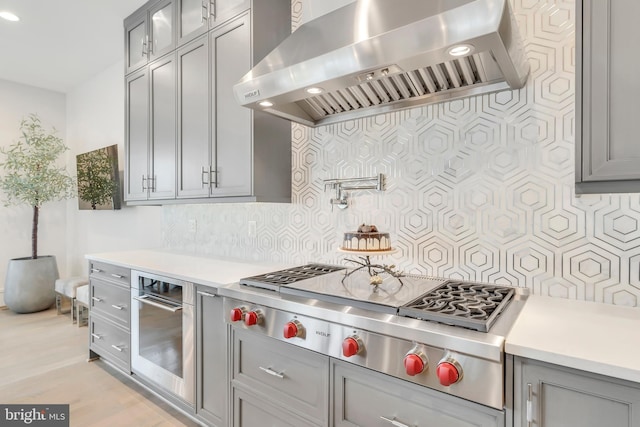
378	56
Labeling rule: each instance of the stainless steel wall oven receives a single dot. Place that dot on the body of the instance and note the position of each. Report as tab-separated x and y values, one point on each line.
162	333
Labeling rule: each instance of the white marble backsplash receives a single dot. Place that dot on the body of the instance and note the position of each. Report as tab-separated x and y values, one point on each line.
479	189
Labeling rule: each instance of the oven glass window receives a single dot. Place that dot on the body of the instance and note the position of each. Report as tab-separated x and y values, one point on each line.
160	334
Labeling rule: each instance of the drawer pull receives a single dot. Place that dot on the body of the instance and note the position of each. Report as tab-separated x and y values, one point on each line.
117	276
272	372
156	302
96	336
117	348
394	422
117	307
96	270
96	299
207	294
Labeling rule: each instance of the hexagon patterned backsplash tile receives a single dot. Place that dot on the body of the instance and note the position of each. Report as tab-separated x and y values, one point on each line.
477	189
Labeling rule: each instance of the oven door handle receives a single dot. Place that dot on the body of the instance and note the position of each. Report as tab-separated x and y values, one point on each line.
147	299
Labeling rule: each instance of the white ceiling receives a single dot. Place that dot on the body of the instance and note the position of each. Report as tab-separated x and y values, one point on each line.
59	44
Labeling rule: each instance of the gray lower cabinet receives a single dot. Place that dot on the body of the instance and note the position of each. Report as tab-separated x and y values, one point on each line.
109	314
607	148
276	381
548	395
362	397
211	359
151	130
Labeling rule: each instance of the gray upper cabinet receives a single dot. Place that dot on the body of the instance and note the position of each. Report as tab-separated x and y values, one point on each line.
194	136
149	34
607	148
231	173
201	144
196	17
552	396
150	111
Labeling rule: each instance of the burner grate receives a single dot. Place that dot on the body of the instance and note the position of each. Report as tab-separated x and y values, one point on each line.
471	305
291	275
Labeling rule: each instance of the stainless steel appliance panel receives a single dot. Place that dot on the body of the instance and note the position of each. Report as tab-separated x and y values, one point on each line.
162	333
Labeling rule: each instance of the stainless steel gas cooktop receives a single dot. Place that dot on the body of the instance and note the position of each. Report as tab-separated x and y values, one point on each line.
467	304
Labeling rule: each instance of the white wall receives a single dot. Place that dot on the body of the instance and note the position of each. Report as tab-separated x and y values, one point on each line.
16	102
95	119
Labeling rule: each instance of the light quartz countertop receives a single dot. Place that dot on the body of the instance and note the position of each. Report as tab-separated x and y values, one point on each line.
213	271
593	337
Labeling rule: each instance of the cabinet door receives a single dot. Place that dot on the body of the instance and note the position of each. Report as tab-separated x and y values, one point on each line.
194	141
135	33
137	135
609	90
162	38
362	397
162	76
193	19
230	47
560	397
211	345
222	10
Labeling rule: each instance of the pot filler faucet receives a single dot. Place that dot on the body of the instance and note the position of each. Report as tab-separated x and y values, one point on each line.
342	185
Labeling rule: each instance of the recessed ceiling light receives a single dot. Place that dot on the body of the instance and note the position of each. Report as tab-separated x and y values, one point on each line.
9	16
315	90
266	104
460	50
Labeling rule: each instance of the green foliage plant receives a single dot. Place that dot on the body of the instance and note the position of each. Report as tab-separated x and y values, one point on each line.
32	175
95	182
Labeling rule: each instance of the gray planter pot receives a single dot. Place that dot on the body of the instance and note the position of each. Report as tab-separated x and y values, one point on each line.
29	286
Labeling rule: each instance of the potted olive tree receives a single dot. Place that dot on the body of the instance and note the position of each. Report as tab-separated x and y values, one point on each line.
33	177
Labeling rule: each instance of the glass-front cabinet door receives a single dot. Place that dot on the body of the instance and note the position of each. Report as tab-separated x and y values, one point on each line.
150	33
196	17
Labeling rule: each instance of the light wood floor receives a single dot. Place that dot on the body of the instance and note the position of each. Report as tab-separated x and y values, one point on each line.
43	360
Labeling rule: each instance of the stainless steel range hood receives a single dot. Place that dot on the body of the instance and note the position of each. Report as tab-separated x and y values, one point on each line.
377	56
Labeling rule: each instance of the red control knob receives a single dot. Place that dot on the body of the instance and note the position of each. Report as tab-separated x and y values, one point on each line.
414	364
252	318
350	347
447	373
236	314
291	330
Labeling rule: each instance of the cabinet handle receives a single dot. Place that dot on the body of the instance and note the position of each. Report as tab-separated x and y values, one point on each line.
144	48
152	187
149	45
213	177
208	180
143	181
96	270
272	372
117	348
117	276
96	336
529	405
212	11
207	294
394	422
205	11
117	307
96	299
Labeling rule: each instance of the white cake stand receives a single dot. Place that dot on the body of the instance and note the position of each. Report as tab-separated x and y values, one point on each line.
374	270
